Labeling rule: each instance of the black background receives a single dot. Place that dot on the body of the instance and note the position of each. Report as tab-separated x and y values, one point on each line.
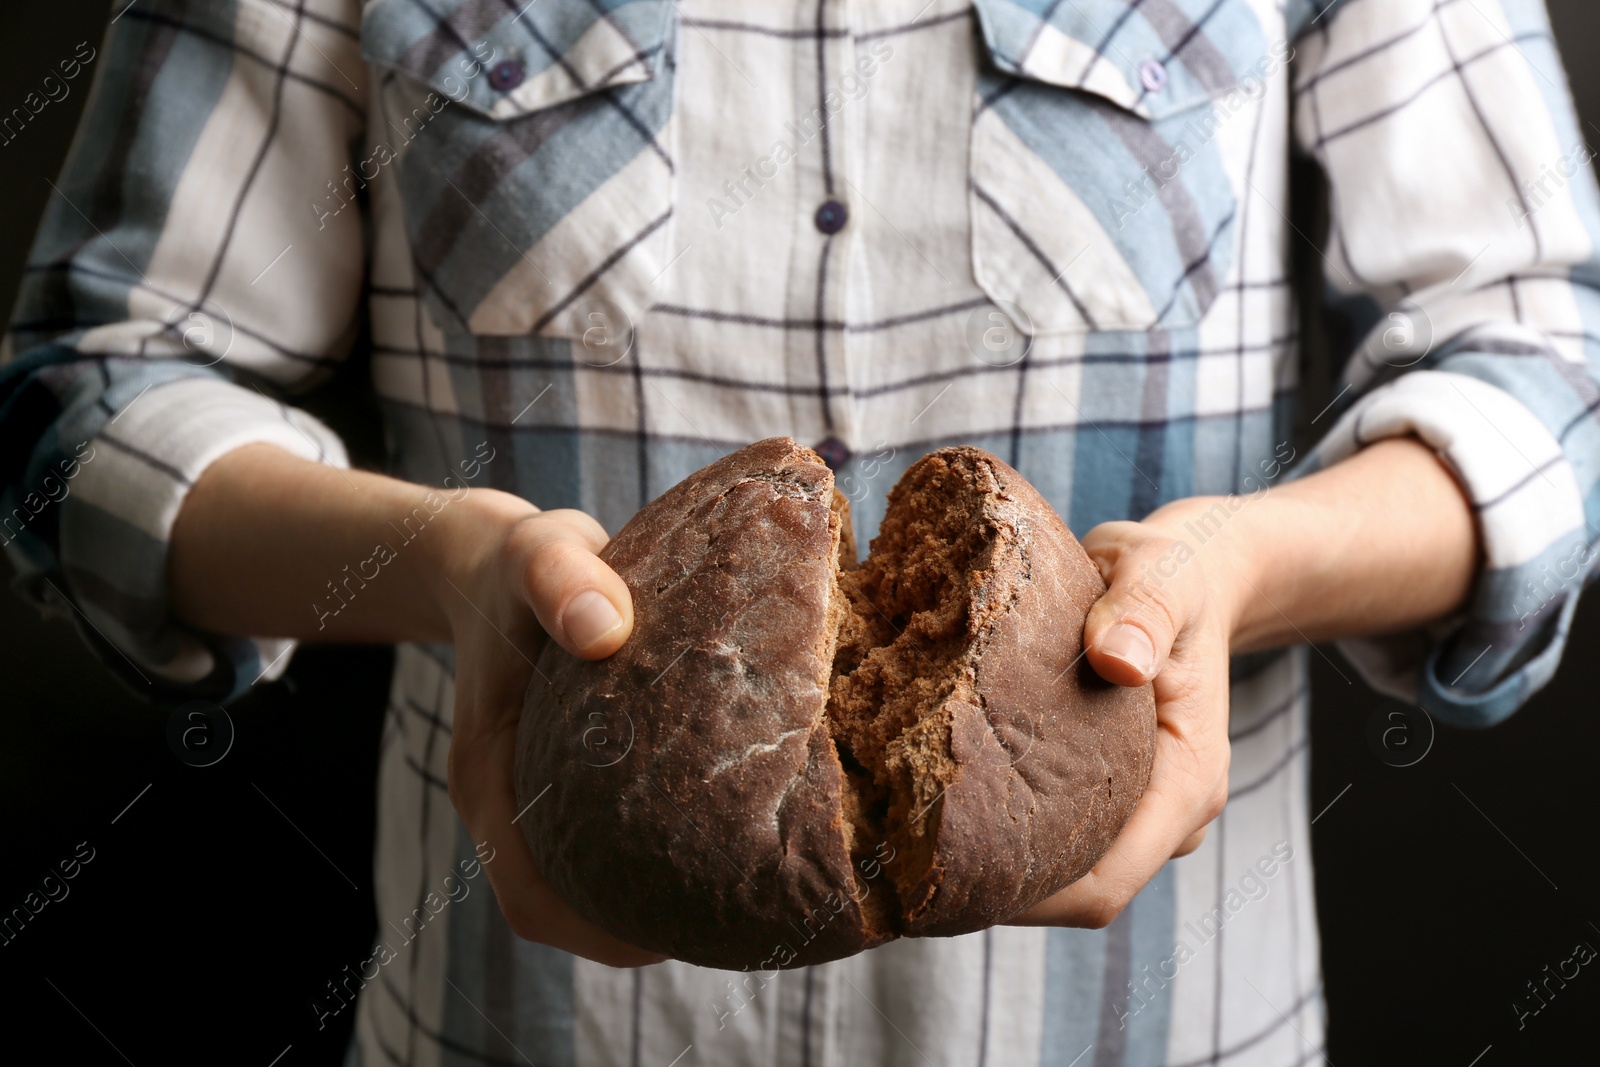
218	904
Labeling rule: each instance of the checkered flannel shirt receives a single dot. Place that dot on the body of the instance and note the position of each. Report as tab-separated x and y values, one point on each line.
606	241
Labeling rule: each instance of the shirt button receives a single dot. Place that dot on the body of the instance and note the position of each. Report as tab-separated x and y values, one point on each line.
1153	75
505	75
833	452
831	217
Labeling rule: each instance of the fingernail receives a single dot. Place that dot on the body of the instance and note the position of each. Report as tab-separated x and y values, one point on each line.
589	618
1131	645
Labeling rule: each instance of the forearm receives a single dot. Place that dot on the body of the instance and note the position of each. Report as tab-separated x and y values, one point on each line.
266	543
270	544
1380	543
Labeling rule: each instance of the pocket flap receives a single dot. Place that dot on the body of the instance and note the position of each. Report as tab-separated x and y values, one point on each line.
504	58
1154	58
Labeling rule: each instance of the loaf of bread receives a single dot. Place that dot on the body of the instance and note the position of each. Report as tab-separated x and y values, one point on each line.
795	758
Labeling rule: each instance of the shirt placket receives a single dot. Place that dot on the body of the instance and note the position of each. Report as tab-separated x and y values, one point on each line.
825	228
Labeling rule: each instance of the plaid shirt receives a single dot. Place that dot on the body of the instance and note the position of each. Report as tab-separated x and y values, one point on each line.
603	243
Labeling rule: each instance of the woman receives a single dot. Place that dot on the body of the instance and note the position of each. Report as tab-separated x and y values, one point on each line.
603	244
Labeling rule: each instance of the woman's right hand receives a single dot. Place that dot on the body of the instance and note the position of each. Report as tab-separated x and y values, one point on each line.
506	576
488	571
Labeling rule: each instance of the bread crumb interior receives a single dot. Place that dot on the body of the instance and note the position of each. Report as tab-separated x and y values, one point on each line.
908	618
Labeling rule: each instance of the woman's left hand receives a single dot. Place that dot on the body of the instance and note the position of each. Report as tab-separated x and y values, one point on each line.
1167	618
1382	542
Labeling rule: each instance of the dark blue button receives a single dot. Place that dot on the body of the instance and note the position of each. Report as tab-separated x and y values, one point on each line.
1153	74
505	75
832	216
833	452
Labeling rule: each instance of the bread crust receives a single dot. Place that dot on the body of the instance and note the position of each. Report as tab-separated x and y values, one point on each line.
715	837
691	799
1051	758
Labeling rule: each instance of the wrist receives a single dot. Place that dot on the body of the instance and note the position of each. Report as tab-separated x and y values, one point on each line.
473	532
1220	540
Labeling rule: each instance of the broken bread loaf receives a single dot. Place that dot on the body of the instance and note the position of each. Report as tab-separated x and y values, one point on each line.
794	758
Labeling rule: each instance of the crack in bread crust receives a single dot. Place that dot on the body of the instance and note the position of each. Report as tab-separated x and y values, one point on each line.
946	565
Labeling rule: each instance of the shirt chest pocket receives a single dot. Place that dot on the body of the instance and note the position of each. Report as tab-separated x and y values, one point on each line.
1101	196
531	144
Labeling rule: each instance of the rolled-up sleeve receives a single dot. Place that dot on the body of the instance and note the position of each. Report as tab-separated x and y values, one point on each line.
197	265
1463	236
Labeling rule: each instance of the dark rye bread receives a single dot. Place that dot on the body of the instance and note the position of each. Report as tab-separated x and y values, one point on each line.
794	758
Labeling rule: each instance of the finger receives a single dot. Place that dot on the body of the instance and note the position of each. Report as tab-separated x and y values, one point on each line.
1187	790
581	524
1131	630
533	909
534	912
481	760
1194	841
581	603
1172	814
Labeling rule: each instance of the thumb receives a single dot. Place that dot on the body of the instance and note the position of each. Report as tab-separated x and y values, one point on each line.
581	603
1130	631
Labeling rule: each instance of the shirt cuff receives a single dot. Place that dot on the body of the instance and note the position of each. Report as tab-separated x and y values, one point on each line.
116	523
1478	667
